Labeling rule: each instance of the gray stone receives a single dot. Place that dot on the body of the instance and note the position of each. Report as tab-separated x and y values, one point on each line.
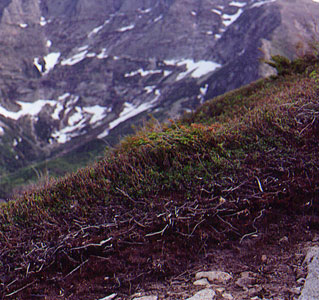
311	287
206	294
110	297
246	279
227	296
146	298
202	281
214	276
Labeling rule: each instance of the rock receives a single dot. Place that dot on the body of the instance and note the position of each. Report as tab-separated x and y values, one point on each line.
246	280
255	291
214	276
202	281
206	294
301	281
263	258
227	296
311	287
110	297
220	290
146	298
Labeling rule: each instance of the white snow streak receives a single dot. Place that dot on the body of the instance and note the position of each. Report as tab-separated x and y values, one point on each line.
103	54
158	18
74	59
50	61
196	69
230	19
43	21
261	3
95	31
126	28
37	64
27	108
238	4
129	111
97	112
142	73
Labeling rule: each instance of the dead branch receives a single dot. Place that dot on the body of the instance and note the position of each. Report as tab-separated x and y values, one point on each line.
21	289
74	270
159	232
93	245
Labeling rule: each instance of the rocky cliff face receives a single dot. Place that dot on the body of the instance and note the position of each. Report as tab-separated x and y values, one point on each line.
74	71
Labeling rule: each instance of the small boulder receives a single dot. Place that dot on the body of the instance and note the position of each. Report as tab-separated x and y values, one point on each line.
206	294
214	276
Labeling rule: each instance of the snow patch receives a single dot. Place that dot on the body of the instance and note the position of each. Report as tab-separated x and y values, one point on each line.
158	18
91	54
1	131
230	19
97	112
195	69
75	58
238	4
23	25
64	96
37	64
142	72
149	89
95	31
49	43
126	28
103	54
145	11
261	3
76	117
203	91
43	21
216	11
51	60
67	133
27	108
129	111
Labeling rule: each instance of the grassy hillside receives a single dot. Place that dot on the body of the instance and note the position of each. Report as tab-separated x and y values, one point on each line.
245	163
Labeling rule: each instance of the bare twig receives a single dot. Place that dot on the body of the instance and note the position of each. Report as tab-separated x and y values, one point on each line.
159	232
220	218
125	194
93	245
74	270
256	230
259	184
21	289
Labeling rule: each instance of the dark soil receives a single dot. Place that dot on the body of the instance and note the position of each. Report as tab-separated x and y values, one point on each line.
166	267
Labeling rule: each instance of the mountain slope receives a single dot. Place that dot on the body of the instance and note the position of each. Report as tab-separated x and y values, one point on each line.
245	163
78	72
